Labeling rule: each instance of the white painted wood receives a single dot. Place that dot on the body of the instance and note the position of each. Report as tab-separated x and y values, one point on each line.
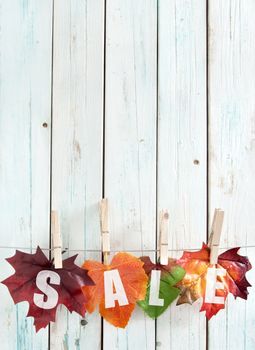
25	89
77	147
130	147
182	144
232	151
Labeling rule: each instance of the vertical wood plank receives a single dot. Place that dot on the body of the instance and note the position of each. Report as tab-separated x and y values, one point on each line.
77	147
232	150
182	151
25	104
130	144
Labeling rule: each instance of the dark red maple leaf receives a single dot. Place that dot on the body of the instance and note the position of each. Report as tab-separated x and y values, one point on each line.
236	266
22	285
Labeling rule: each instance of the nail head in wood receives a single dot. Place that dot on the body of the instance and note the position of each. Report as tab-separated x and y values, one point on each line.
84	322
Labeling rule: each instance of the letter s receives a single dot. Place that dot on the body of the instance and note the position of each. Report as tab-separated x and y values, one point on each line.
51	293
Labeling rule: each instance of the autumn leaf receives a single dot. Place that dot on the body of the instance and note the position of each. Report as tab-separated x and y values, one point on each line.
22	285
196	264
171	274
134	281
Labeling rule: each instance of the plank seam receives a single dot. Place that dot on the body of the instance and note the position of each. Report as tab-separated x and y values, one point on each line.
157	143
207	147
51	144
103	137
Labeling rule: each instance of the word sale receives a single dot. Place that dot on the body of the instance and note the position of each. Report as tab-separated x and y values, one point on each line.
116	288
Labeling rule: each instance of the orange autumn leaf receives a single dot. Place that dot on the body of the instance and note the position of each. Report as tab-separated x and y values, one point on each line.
134	280
193	285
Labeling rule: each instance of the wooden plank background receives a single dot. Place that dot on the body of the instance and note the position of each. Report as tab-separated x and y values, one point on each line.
147	102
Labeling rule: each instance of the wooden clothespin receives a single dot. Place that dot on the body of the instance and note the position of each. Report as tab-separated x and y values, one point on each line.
56	240
104	229
163	237
214	240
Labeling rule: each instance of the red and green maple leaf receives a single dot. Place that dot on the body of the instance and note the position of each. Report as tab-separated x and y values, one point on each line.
196	264
171	274
22	285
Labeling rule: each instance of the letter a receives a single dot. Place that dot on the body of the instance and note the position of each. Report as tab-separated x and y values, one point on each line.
212	284
154	289
51	293
114	289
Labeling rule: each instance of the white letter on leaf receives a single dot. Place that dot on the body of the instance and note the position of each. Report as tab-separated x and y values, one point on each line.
113	289
154	289
212	284
42	280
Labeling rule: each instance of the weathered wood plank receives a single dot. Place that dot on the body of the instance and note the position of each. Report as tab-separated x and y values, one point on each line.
25	104
77	146
232	151
130	144
182	151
